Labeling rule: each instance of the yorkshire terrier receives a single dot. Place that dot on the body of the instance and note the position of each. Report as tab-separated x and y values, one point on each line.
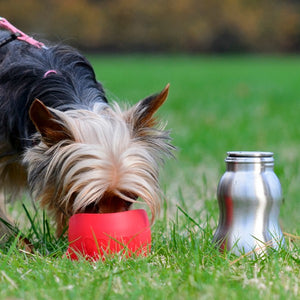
61	139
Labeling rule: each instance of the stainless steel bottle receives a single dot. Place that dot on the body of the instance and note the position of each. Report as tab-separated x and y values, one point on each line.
249	196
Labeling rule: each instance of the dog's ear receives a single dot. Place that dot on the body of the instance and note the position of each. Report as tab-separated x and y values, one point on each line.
49	126
142	114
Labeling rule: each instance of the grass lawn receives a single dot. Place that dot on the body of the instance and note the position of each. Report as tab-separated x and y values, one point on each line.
216	104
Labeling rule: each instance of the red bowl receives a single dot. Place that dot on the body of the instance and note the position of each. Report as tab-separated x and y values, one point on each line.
95	236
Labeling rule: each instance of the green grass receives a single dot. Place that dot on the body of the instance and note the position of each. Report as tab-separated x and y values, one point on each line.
216	104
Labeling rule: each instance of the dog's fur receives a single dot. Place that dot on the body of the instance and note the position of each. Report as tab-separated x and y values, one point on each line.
60	138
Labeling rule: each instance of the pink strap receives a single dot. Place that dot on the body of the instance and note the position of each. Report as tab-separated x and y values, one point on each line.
49	72
21	35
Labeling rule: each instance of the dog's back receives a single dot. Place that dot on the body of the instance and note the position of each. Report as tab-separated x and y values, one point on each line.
22	79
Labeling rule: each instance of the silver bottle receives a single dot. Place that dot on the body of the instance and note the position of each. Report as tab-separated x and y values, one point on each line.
249	195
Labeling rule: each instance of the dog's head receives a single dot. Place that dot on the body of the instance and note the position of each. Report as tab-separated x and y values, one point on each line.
98	160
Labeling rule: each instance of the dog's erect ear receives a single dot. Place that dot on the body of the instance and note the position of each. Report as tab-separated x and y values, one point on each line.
142	114
51	130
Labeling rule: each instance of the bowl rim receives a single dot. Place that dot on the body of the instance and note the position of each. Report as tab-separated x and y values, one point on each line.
138	210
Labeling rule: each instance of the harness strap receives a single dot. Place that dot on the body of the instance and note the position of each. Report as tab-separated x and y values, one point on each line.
8	39
19	34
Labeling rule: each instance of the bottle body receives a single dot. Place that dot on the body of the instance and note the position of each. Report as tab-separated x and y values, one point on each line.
249	196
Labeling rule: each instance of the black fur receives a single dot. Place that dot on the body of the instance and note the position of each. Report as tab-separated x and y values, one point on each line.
22	67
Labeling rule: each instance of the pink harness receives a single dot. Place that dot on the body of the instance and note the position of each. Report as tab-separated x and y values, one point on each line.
19	34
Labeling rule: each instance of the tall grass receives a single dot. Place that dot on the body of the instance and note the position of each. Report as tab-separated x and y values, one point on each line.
216	104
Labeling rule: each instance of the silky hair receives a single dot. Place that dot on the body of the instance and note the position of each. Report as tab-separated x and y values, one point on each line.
106	156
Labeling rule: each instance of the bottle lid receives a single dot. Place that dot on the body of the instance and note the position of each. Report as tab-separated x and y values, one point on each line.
249	157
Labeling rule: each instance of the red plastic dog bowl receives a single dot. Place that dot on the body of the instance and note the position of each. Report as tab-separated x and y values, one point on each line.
95	236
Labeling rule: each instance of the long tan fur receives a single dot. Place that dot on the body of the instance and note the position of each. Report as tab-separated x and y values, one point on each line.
110	158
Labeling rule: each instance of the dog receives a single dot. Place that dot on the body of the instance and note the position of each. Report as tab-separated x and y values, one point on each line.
61	139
